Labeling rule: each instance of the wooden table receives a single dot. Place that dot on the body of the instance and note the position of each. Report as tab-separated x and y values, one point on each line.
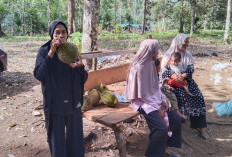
112	117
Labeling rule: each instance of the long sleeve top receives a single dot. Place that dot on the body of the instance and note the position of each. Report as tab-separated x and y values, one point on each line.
149	104
62	85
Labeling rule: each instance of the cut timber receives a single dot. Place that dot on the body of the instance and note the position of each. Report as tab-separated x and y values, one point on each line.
95	54
120	140
106	76
111	116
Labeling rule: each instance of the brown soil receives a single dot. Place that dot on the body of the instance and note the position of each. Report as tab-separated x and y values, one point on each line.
20	94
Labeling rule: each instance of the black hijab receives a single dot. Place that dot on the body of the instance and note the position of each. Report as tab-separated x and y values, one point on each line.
53	26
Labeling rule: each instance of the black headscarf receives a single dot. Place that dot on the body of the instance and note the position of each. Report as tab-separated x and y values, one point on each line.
53	26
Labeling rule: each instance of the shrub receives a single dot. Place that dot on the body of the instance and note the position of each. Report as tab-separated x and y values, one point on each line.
118	28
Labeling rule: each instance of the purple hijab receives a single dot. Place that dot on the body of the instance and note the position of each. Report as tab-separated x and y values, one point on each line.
142	79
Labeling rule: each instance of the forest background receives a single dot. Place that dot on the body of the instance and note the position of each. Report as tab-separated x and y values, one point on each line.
206	19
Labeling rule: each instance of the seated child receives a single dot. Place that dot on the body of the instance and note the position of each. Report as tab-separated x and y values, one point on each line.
167	91
174	65
222	109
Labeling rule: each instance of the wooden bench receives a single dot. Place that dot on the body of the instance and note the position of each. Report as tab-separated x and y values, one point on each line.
111	117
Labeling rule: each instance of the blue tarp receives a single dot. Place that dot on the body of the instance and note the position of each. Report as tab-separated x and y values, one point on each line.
127	24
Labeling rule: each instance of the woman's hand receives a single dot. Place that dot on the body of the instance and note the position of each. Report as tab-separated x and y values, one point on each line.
161	113
77	64
174	76
55	43
181	77
165	106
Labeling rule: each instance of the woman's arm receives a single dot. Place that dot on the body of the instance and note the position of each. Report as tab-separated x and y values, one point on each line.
81	68
189	71
186	75
167	73
43	59
41	66
166	65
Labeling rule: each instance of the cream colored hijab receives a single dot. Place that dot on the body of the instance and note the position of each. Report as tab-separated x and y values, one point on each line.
142	79
176	46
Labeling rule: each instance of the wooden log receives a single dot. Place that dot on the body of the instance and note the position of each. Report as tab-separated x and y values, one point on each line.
120	140
90	55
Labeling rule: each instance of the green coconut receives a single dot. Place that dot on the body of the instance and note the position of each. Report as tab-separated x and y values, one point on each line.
68	52
95	96
101	88
87	103
109	98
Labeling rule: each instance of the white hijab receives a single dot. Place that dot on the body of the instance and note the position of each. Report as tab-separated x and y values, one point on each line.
176	46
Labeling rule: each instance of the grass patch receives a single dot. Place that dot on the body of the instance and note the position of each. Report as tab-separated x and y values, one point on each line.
126	40
23	38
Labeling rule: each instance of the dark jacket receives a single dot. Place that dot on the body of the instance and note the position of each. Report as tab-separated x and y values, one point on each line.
62	85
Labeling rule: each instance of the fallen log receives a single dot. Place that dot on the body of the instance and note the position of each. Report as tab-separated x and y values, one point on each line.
95	54
218	123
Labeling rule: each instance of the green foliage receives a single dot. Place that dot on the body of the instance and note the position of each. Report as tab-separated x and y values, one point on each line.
182	11
76	38
107	18
125	40
32	17
128	17
118	28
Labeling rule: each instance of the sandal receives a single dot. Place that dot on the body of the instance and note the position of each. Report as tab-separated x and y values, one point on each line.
203	134
183	120
172	154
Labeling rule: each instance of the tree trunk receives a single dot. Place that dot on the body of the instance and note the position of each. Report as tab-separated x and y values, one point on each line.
211	22
115	12
163	23
205	16
181	18
135	12
1	32
227	27
71	16
205	23
144	16
90	29
193	16
121	12
79	18
23	19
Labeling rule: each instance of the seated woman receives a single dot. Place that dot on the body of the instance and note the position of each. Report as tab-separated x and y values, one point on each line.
194	105
142	89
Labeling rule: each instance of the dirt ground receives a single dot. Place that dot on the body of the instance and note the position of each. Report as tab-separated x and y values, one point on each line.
23	135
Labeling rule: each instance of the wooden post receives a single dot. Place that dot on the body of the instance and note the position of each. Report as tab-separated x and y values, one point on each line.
120	140
144	16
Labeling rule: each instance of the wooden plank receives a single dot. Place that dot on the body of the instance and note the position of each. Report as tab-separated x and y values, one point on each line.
91	52
106	76
97	112
117	117
91	55
111	116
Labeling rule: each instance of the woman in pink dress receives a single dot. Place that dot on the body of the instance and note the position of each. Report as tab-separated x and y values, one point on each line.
143	90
